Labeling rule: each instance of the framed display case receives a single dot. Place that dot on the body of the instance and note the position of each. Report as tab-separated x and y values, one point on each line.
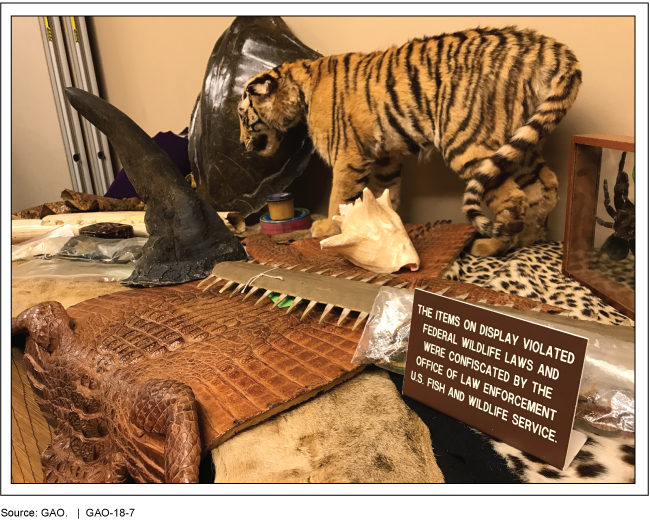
599	242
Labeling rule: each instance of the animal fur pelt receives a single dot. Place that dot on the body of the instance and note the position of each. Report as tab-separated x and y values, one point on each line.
360	431
601	460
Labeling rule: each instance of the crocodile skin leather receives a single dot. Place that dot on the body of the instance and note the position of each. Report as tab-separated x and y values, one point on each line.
143	383
438	245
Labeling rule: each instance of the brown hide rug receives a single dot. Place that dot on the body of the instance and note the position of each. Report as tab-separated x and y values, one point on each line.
362	411
360	432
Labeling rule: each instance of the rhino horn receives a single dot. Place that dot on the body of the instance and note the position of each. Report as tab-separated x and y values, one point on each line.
187	237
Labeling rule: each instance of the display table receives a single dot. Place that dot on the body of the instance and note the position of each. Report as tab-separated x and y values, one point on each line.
362	430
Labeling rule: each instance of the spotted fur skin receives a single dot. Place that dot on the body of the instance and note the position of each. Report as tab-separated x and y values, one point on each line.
535	272
485	98
601	460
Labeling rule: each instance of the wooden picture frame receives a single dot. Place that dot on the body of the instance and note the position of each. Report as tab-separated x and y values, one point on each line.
580	227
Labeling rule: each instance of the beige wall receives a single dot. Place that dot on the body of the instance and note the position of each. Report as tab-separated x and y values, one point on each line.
39	169
153	69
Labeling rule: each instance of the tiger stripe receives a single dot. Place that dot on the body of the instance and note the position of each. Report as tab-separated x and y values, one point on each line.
484	97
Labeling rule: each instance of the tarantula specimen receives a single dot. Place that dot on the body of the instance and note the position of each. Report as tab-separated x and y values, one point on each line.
621	242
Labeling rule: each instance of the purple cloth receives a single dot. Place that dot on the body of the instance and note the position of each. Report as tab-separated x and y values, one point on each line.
175	146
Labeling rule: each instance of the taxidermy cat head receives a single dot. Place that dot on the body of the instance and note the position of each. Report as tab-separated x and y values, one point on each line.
269	106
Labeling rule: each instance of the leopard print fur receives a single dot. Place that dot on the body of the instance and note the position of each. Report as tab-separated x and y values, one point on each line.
535	272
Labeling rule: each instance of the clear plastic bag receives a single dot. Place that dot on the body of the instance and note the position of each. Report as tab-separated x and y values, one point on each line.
606	396
606	400
385	337
607	411
73	270
103	250
49	243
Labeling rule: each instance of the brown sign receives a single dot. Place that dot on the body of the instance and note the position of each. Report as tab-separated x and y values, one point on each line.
512	379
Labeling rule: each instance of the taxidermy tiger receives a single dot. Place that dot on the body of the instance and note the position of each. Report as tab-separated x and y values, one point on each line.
485	98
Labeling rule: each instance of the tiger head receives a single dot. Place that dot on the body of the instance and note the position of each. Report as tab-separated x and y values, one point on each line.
268	108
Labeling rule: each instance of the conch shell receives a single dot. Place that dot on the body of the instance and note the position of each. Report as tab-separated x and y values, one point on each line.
373	236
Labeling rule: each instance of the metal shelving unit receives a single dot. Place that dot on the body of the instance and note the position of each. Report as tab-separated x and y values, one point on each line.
70	63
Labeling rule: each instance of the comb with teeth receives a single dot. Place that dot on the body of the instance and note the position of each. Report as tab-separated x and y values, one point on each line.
346	293
302	271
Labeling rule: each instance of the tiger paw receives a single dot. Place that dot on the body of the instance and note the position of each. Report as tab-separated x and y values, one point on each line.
324	227
492	246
